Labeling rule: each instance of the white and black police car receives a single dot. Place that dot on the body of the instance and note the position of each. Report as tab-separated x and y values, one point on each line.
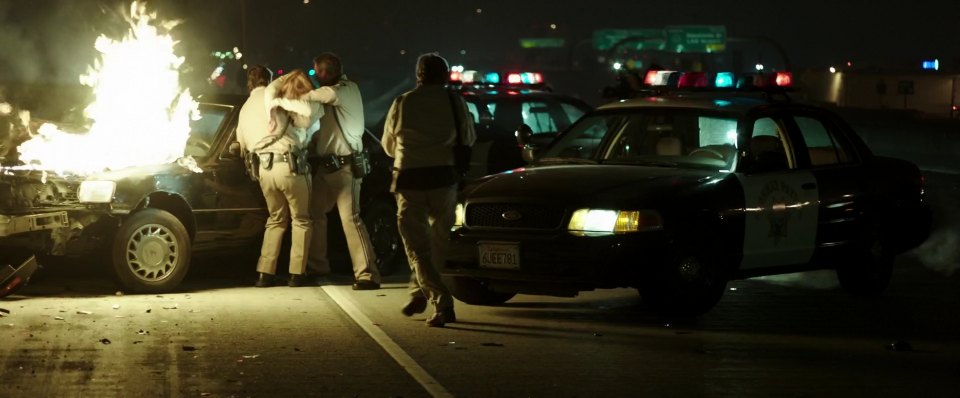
679	192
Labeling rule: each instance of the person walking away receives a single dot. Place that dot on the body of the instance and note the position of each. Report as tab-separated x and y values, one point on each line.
421	129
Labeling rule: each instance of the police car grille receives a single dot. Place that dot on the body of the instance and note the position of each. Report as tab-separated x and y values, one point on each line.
489	215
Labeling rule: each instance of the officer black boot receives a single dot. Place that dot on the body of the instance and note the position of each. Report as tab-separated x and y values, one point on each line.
265	280
296	280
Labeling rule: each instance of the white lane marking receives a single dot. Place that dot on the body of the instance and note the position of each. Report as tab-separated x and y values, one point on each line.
406	362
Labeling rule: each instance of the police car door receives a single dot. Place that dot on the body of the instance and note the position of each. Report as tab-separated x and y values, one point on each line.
780	199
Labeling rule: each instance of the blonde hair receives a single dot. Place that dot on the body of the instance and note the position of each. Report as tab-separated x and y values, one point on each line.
296	85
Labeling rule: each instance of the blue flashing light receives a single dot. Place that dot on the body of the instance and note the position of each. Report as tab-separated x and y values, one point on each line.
492	78
724	80
931	64
527	78
312	72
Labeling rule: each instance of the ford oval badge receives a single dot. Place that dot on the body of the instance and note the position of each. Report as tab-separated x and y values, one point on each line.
511	215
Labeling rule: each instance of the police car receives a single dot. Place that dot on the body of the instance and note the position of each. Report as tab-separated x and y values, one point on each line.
498	103
679	192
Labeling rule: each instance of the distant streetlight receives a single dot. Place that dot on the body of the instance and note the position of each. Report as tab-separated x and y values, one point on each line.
553	26
617	66
759	67
833	69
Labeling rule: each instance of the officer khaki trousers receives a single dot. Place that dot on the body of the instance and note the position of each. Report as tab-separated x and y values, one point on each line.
341	189
288	199
424	218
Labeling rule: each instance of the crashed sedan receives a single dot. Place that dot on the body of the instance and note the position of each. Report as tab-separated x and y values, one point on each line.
146	222
677	194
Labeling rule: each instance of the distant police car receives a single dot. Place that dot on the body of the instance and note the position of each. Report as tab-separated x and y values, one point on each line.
675	194
499	103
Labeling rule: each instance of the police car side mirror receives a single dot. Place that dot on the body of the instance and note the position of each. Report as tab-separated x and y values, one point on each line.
233	151
524	135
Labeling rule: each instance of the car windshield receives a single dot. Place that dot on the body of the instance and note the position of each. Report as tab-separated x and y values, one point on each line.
203	131
667	137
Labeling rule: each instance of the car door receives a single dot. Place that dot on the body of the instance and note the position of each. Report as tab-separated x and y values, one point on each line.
834	162
780	199
233	210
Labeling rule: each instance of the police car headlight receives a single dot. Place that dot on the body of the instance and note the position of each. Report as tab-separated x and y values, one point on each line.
96	191
593	222
460	216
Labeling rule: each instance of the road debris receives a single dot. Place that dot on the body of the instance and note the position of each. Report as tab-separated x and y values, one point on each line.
84	312
116	306
4	312
189	348
491	344
58	318
251	356
142	332
170	307
104	341
900	345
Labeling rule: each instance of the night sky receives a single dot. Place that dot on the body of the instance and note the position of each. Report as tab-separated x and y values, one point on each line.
51	40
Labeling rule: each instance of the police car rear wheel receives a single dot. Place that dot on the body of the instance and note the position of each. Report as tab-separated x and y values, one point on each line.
151	252
475	291
688	286
867	273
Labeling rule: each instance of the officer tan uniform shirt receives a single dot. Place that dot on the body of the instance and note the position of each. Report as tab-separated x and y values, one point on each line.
420	132
287	195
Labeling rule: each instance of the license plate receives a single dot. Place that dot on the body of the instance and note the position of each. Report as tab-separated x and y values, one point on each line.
499	255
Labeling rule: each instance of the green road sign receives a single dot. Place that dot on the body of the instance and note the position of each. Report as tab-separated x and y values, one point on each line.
542	42
604	39
696	38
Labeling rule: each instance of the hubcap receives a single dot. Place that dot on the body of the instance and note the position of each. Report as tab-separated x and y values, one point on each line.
152	252
690	269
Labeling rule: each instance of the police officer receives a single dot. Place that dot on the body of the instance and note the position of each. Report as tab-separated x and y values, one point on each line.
340	135
420	131
274	137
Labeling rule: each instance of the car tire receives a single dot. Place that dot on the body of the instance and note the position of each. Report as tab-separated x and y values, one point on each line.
475	291
868	272
689	285
380	218
151	252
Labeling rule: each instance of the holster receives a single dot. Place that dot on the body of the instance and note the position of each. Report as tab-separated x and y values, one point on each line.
298	162
252	161
331	163
266	160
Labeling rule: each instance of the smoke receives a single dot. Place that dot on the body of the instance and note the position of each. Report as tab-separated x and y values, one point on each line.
19	58
941	252
823	279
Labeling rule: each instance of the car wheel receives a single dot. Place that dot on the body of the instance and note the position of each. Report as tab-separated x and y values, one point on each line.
380	218
689	285
868	272
475	291
151	252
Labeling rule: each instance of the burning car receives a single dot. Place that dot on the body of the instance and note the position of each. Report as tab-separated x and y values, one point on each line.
147	221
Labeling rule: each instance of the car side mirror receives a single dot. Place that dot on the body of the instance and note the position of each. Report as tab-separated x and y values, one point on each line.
233	151
524	135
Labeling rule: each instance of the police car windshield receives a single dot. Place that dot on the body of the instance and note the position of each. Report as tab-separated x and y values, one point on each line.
666	137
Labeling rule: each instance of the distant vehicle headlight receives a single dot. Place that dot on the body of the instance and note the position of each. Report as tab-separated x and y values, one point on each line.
96	191
461	216
595	222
